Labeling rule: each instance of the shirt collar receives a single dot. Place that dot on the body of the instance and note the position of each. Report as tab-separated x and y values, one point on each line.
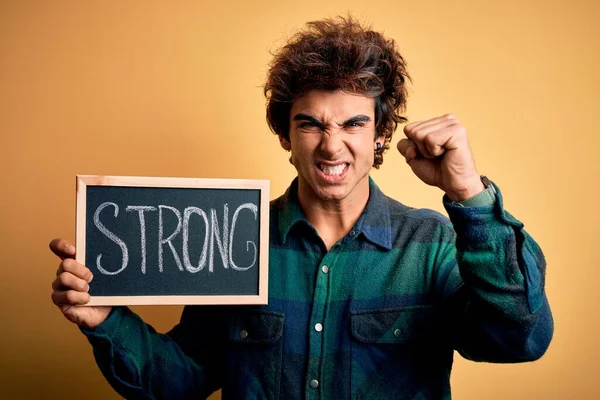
374	223
290	213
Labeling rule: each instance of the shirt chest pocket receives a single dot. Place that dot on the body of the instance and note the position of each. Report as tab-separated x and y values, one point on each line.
254	356
392	350
392	325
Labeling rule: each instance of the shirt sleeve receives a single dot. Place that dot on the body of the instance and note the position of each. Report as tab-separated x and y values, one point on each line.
140	363
497	310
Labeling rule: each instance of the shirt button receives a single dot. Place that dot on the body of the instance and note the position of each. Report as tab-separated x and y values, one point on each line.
352	233
397	333
318	327
314	384
325	269
243	334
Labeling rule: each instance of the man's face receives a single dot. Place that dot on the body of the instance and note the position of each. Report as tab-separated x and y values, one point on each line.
332	144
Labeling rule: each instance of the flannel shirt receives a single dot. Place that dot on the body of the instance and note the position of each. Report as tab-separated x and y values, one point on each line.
378	316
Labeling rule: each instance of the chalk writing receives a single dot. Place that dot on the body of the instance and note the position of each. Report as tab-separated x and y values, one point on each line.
140	210
112	237
218	234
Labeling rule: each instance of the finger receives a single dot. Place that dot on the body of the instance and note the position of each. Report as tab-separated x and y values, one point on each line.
413	126
437	139
62	248
431	138
422	149
67	281
408	149
429	126
75	268
70	297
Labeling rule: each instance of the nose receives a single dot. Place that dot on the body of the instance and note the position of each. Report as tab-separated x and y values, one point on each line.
331	144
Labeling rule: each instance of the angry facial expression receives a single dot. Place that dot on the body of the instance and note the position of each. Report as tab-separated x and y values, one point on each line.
332	141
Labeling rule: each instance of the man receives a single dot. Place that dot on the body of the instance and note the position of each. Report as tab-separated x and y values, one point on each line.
368	298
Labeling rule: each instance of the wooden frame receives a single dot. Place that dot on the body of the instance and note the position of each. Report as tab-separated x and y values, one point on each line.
83	181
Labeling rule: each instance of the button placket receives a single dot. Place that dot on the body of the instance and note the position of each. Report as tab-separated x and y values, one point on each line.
319	305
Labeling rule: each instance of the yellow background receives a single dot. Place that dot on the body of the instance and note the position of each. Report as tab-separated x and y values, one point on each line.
174	89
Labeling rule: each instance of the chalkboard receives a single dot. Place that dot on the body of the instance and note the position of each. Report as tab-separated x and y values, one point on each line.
150	240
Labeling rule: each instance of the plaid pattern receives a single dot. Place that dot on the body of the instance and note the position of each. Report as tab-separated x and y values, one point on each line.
377	317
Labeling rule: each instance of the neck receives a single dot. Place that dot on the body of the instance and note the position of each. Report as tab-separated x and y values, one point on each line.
333	219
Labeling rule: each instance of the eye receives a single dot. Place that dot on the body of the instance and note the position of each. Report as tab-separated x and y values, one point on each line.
309	126
355	125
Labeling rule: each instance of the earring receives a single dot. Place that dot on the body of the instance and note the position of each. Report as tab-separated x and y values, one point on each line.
378	147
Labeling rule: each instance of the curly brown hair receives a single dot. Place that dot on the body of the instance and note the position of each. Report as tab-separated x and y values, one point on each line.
339	54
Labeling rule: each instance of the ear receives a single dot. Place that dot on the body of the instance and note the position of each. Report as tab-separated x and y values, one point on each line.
285	143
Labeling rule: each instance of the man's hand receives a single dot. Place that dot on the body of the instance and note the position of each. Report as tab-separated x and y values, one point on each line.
438	152
70	288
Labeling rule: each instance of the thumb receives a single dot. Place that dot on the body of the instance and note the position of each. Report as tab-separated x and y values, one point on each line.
62	248
408	149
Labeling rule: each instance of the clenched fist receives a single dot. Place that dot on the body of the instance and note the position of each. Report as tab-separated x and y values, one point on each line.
439	153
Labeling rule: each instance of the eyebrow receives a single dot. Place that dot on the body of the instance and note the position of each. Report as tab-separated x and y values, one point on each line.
357	118
316	121
309	118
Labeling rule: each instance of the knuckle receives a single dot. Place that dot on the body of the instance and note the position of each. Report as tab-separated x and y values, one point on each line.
72	296
60	268
70	265
55	297
431	144
64	279
429	140
67	264
410	128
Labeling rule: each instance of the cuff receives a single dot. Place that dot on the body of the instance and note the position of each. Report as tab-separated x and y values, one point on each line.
485	198
107	328
474	224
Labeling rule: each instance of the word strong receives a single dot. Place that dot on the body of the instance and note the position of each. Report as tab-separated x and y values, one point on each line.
185	232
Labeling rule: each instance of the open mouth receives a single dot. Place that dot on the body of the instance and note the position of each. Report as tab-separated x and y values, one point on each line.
333	173
333	170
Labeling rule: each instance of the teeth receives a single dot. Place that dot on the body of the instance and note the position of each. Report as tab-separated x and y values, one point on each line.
332	169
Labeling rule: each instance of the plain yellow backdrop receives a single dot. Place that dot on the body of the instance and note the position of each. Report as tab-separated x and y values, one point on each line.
173	88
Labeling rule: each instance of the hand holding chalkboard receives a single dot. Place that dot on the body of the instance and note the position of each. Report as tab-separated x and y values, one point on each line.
70	288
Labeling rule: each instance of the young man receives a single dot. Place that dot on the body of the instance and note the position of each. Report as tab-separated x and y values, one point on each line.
368	298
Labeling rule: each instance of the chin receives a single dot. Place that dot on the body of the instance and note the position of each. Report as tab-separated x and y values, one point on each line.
332	193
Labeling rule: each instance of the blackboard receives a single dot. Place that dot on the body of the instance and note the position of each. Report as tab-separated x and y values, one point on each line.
151	240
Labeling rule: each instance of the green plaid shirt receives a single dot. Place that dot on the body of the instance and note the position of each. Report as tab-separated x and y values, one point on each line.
377	317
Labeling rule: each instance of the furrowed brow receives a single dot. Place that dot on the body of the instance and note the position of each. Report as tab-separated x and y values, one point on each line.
309	118
357	118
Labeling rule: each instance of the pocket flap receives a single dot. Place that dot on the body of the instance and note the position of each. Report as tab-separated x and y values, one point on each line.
392	325
258	327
